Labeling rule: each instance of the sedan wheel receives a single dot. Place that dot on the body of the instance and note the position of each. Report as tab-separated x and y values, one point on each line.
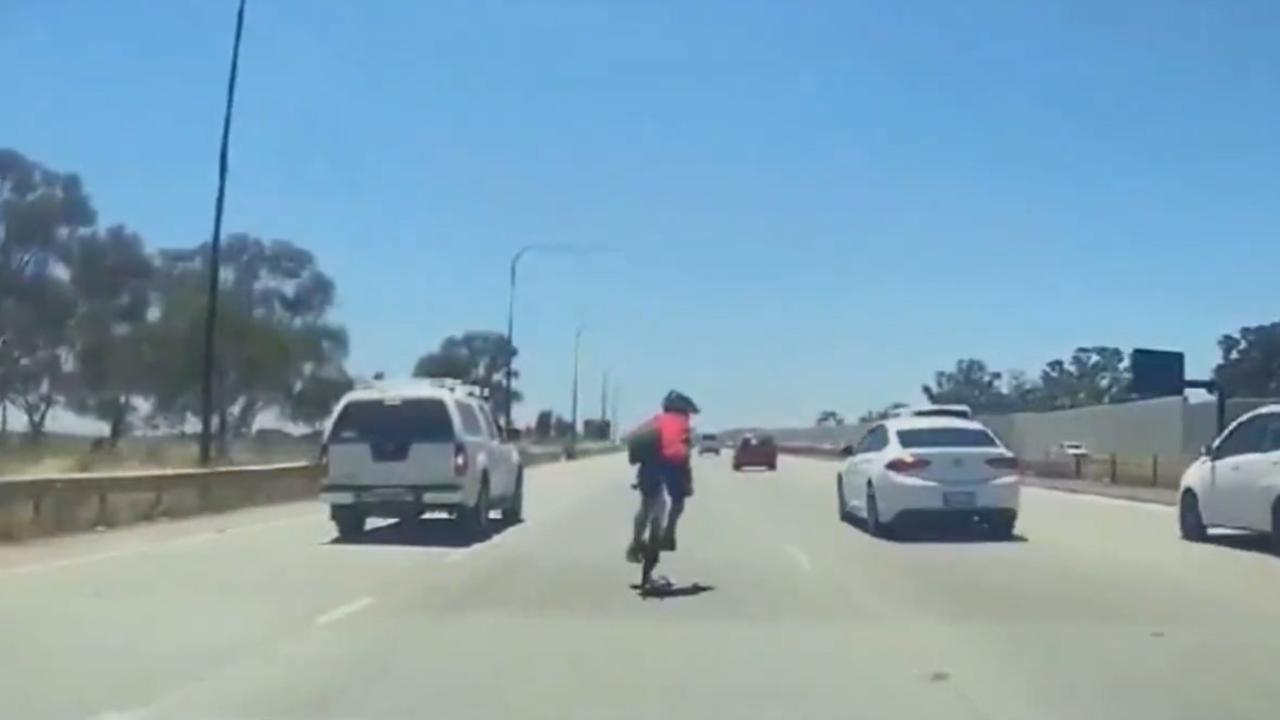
1275	527
842	501
875	527
1190	522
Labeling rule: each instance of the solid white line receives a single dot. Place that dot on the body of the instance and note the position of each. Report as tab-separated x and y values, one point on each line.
1103	499
199	536
342	611
800	558
67	562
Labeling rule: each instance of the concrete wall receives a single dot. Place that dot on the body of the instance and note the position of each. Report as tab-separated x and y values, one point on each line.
1142	429
1199	424
1153	440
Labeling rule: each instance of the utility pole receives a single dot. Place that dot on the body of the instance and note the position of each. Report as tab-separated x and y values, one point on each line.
215	248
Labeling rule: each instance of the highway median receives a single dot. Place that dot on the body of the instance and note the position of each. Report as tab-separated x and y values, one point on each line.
42	505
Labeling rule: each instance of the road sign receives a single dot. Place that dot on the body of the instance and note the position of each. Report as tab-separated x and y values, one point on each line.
1157	373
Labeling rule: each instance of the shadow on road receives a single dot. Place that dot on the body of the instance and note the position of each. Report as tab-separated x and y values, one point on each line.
975	536
1248	542
672	591
421	532
953	535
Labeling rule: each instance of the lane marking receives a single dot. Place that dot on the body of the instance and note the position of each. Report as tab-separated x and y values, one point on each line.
1104	499
342	611
145	546
800	557
68	562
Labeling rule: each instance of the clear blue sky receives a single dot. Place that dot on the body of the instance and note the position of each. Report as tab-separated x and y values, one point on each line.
817	204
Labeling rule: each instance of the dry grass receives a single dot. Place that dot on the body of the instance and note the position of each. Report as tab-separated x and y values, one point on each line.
60	454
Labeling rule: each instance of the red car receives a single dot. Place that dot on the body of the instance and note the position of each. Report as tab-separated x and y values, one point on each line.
756	451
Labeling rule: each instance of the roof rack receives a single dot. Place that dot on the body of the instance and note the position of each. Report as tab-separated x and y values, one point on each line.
453	385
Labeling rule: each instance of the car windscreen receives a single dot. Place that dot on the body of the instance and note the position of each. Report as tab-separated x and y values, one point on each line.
400	421
946	437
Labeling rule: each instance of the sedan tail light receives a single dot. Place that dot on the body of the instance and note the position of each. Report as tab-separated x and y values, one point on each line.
1007	462
906	464
460	460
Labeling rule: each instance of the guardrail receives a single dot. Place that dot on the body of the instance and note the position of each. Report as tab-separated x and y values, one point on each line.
33	506
1163	471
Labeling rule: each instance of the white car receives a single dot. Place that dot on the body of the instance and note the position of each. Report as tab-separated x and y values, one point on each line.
400	450
929	470
1236	482
1070	449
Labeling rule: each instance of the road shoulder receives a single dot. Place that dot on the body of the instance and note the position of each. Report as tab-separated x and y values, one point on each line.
1154	495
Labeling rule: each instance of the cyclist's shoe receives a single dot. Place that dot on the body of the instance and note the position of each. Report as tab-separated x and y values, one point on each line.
656	584
635	553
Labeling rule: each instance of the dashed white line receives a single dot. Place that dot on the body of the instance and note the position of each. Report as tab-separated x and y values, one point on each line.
120	715
800	557
342	611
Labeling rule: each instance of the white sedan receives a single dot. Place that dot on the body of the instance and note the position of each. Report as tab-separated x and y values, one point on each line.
929	471
1236	482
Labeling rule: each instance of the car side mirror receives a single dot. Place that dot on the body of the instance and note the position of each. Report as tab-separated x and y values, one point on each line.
846	451
1206	451
514	434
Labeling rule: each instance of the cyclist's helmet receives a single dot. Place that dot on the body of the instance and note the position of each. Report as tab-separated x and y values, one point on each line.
678	402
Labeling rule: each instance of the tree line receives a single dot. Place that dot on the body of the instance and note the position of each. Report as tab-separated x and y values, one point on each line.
480	357
1248	366
93	321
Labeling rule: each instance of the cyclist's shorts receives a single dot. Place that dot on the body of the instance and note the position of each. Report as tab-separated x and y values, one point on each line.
654	477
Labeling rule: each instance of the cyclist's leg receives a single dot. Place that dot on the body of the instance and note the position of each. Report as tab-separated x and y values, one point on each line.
677	484
649	484
656	507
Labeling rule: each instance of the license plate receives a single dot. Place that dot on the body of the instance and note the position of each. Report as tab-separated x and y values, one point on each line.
387	495
958	499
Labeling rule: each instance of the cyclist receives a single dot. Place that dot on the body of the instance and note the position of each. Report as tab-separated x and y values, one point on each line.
661	449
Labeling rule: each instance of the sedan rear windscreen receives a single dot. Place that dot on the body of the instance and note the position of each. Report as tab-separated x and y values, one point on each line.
946	437
398	421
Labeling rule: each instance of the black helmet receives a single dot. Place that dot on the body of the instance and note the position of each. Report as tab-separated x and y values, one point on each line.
676	401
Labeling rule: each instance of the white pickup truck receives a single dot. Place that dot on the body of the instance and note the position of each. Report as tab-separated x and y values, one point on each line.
399	450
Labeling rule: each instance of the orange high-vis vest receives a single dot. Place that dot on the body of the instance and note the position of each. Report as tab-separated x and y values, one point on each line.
673	436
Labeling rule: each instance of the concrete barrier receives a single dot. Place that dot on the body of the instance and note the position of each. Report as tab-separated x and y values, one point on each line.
36	506
815	450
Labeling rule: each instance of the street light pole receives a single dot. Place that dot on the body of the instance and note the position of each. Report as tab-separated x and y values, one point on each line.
511	305
613	421
604	397
511	329
215	246
573	431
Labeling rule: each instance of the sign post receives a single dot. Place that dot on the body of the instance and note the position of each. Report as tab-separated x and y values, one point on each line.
1163	373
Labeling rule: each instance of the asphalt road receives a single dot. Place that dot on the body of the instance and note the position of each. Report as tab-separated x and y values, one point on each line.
1097	612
